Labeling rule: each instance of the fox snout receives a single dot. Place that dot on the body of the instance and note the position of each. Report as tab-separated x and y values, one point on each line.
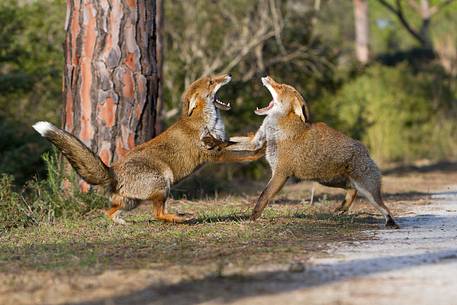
268	80
222	79
265	80
286	99
272	86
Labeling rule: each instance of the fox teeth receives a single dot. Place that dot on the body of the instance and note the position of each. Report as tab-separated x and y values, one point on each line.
228	104
256	108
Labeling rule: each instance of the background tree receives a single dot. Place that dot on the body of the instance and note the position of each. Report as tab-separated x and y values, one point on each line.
110	78
307	43
160	59
424	10
362	31
247	38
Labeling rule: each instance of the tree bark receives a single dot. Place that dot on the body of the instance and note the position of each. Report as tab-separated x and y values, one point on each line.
160	58
110	75
362	31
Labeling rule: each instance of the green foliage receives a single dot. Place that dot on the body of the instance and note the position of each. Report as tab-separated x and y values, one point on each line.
43	201
400	114
31	63
20	151
387	32
31	59
210	35
389	35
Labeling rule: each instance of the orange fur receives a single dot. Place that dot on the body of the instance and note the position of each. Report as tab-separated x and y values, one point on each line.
147	172
312	151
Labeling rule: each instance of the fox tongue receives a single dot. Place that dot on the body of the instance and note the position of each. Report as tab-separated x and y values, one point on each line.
263	111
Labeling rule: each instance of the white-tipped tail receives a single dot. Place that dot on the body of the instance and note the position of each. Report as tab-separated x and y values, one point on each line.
43	127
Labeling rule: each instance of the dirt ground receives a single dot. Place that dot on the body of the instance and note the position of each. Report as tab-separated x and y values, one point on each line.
296	254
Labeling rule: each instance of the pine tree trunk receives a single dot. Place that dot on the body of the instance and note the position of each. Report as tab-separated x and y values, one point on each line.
110	76
362	31
160	58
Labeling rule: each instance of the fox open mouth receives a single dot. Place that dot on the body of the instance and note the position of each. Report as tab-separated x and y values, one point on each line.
221	105
264	110
217	102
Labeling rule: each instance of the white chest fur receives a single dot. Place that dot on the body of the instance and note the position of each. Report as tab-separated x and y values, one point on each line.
273	135
214	122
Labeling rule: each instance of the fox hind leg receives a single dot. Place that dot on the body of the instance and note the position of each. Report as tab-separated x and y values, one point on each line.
373	194
347	202
160	209
118	205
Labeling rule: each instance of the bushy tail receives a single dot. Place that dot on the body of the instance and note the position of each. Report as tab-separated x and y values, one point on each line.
88	165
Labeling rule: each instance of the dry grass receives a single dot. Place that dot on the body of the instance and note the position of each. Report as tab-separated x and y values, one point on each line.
221	234
82	259
290	229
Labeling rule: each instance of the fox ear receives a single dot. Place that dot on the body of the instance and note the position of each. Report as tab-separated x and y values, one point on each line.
301	111
192	105
305	111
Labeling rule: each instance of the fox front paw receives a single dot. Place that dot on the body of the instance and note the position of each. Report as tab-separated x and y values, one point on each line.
211	143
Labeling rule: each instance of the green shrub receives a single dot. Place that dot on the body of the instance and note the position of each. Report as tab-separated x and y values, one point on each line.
31	63
20	151
31	59
43	201
399	114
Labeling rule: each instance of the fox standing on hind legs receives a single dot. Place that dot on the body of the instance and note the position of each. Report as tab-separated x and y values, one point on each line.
148	171
296	147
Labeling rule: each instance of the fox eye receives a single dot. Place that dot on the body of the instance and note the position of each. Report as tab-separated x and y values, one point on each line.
211	82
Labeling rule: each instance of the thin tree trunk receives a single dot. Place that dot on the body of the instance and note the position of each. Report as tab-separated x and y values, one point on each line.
426	15
362	31
110	76
160	59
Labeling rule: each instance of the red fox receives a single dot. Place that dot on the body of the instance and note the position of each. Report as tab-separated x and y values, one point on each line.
312	151
149	170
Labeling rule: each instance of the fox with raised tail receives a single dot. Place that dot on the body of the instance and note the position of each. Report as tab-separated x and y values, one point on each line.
149	170
295	147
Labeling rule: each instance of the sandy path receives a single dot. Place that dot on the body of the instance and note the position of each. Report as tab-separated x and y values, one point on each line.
414	265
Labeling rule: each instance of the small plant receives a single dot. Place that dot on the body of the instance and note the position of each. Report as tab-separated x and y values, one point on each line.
43	201
10	206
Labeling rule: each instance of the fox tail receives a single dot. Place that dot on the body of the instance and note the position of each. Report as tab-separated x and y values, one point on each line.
87	164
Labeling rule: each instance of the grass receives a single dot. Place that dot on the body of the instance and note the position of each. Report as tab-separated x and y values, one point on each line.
221	255
44	228
45	201
220	235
